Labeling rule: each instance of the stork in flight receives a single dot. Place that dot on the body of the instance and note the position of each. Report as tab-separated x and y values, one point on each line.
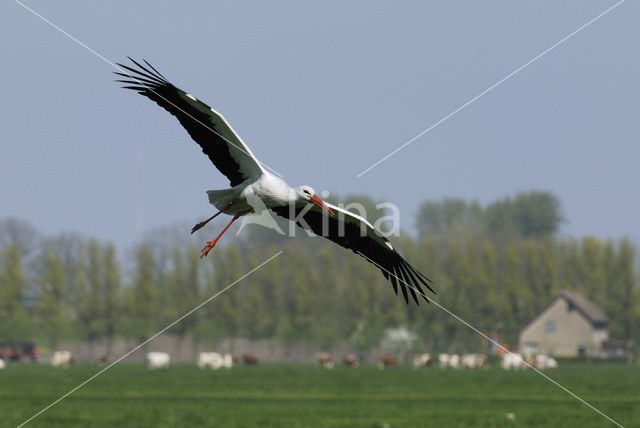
249	180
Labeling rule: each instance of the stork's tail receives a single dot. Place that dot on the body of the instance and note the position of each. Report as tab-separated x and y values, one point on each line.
222	198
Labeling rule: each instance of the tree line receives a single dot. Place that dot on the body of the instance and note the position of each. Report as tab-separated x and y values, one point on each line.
494	266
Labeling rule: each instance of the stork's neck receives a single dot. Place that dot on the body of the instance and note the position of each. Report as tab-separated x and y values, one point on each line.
293	198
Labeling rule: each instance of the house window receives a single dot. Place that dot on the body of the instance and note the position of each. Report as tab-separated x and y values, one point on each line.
550	326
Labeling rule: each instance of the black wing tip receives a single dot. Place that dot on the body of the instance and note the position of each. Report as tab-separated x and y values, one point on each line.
142	75
402	284
410	278
422	278
412	284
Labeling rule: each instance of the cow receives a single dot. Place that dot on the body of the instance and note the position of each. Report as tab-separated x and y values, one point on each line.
542	362
443	360
512	360
350	360
387	361
157	360
2	364
214	360
101	360
422	360
249	359
323	359
472	361
449	360
454	361
62	359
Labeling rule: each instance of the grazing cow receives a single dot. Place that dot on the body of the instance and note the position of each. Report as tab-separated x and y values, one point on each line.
422	360
512	360
323	359
250	359
101	360
62	359
449	360
214	360
443	360
542	362
157	360
350	360
387	361
472	361
454	361
2	364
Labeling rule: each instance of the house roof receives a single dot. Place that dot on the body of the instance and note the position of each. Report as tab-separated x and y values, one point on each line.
581	303
588	309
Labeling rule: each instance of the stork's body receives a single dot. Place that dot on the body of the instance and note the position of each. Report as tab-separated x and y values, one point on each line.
273	191
248	197
254	190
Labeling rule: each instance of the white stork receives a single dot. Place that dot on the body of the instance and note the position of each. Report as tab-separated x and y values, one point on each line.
249	180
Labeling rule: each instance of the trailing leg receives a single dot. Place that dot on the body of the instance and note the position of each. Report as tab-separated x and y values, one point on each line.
202	223
211	244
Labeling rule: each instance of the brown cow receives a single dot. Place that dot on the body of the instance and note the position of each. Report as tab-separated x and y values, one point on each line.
249	359
324	360
387	361
350	360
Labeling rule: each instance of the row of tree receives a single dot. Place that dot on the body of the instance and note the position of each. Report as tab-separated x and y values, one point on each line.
495	279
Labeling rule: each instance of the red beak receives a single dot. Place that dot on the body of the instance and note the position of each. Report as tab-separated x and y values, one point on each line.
317	201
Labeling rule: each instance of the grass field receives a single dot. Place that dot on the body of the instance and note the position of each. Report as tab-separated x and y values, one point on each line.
280	395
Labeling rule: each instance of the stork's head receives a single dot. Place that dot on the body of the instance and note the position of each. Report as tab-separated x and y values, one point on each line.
306	193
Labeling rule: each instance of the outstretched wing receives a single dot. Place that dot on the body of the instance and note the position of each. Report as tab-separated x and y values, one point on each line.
206	126
357	234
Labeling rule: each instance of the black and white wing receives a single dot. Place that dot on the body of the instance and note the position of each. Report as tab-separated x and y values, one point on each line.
207	127
355	233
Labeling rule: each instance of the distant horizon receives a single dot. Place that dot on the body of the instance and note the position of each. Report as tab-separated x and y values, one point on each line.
176	226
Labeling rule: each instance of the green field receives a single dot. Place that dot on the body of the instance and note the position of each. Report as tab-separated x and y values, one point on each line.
297	395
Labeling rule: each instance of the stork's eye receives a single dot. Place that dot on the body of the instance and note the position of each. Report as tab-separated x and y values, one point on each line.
307	192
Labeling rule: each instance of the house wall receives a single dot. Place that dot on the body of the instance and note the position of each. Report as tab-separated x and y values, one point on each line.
572	329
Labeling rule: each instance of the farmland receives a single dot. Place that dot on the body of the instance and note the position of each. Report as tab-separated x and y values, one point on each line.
296	395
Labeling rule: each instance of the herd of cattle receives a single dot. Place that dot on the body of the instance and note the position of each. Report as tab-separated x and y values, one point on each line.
214	360
466	361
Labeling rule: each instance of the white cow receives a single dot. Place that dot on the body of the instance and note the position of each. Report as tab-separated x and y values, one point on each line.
454	361
214	360
449	360
512	360
2	364
472	361
443	359
422	360
61	359
157	360
543	362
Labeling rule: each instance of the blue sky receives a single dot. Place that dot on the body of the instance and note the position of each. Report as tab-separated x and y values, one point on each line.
320	91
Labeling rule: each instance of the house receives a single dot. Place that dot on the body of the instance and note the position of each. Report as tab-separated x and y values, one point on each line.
569	326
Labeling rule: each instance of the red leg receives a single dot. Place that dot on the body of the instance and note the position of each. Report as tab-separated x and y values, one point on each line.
211	244
202	223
